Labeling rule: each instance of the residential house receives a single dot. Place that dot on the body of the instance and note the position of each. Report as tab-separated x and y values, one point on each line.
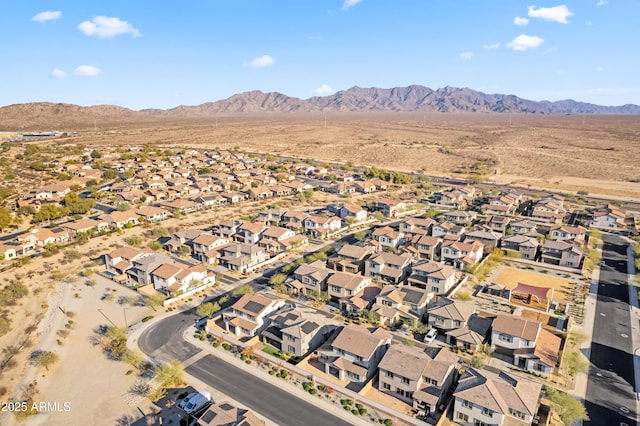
298	331
447	229
354	352
349	258
608	216
84	227
308	277
426	246
404	303
294	219
143	266
459	217
41	237
416	226
523	227
487	398
572	234
352	213
342	285
176	278
225	414
229	229
271	216
416	378
121	220
248	316
206	247
251	232
562	253
243	257
388	267
389	207
448	314
434	277
321	226
497	223
526	247
489	239
472	336
453	199
121	259
152	214
183	237
388	237
461	255
525	343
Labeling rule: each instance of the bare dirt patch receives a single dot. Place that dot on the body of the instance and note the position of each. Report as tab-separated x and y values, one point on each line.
509	278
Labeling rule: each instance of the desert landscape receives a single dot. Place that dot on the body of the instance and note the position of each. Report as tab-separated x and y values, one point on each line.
563	152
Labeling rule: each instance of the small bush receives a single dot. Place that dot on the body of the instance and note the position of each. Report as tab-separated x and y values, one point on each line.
147	318
313	391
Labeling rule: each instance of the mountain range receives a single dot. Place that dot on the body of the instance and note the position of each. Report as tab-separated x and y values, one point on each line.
356	99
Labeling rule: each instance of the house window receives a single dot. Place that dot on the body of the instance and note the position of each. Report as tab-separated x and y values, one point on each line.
291	349
292	338
386	386
390	374
516	413
505	337
541	367
477	422
487	412
527	342
405	381
467	404
463	417
434	288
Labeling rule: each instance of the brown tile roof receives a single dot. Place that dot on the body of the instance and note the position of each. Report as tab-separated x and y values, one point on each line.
547	347
359	341
517	326
167	270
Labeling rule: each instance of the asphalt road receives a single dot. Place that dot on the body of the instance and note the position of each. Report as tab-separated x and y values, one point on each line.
610	396
164	341
262	397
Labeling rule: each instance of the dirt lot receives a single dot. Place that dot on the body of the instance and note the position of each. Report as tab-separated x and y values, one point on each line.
509	277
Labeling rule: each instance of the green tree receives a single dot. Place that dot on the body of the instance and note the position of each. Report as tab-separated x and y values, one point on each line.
155	300
46	359
132	357
360	235
569	408
160	231
122	207
170	374
5	218
277	279
243	289
576	363
134	240
207	309
95	154
154	245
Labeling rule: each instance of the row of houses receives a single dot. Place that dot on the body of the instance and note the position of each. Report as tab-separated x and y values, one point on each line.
421	378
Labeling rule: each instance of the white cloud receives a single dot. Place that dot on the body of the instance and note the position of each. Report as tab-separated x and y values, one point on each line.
261	62
58	73
466	55
107	27
602	3
349	3
325	89
47	16
555	14
524	42
87	70
520	21
491	46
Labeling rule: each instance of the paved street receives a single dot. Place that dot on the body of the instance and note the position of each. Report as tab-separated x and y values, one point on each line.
164	341
610	397
265	398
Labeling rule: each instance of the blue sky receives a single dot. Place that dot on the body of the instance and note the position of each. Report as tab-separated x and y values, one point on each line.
166	53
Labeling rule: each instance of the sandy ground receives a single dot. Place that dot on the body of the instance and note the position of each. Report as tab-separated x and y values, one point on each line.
509	277
83	376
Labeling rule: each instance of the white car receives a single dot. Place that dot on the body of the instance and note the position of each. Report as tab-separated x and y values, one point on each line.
430	336
195	401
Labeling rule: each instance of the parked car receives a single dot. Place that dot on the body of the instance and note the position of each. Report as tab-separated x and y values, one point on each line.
195	401
430	336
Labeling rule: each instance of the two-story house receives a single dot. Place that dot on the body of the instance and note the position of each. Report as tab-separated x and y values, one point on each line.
427	247
388	267
175	278
247	316
251	232
353	352
416	226
416	378
319	226
434	277
486	398
243	257
298	331
489	239
526	342
571	234
448	314
342	285
523	227
308	277
206	247
352	213
459	217
387	237
525	246
562	253
449	229
389	207
461	255
349	258
405	303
